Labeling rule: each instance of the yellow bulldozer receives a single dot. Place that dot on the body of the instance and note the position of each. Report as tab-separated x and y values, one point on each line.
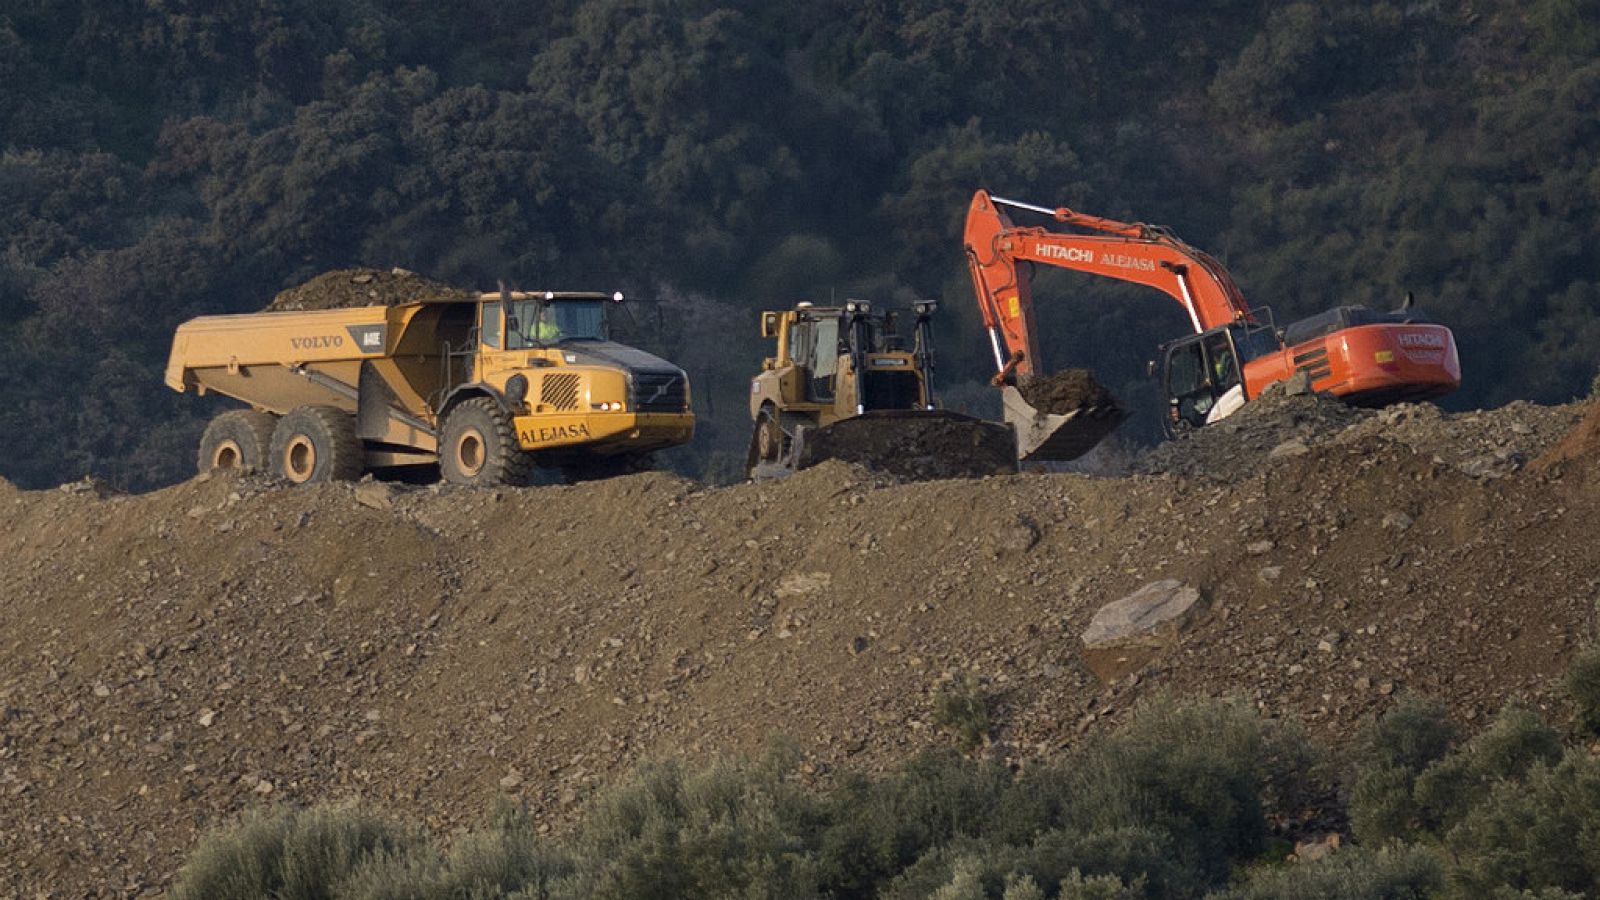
845	384
486	388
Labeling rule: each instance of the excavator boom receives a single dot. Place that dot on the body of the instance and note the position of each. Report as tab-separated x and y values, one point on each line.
1139	253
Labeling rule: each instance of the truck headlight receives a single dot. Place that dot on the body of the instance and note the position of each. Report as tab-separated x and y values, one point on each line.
516	389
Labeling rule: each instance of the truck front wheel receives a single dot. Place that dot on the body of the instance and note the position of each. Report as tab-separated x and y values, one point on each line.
478	447
316	443
239	439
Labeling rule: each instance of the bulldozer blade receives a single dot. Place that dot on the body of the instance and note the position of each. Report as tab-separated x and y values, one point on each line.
1043	436
912	444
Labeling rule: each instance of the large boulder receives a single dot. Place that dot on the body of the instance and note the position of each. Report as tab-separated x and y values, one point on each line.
1151	617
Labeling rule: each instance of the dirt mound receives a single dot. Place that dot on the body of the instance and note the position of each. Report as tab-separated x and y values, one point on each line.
344	288
1066	391
1486	443
1241	444
168	660
1481	443
918	447
1583	440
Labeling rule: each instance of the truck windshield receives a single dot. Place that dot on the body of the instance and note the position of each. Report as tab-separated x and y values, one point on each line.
537	322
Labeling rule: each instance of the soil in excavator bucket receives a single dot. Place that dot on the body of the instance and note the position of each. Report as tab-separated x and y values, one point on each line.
1062	416
913	445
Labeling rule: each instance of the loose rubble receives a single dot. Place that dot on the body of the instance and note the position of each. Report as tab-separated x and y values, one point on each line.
344	288
169	660
1066	391
1481	443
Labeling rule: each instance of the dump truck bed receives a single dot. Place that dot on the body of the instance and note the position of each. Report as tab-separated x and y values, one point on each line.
279	360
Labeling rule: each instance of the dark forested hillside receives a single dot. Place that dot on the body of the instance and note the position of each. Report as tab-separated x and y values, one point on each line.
161	160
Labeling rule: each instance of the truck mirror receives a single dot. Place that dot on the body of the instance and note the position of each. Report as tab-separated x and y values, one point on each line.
769	325
1150	368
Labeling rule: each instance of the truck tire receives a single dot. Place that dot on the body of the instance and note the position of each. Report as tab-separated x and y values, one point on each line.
239	439
478	447
316	443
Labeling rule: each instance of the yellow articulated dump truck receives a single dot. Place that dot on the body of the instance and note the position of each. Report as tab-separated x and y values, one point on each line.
486	389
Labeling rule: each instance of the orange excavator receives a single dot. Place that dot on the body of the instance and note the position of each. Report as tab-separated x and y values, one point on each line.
1364	356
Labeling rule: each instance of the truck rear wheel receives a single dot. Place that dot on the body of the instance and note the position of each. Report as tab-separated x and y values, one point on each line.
241	438
478	447
316	443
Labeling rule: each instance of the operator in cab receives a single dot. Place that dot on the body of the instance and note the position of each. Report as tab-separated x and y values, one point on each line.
545	329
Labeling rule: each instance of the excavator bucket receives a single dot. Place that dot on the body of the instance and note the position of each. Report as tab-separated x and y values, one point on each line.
1059	436
910	444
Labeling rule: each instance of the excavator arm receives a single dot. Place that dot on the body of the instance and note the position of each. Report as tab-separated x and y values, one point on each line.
1142	254
1365	357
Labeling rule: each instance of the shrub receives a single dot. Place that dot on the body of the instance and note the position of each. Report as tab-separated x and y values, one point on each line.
1099	887
1516	742
1139	860
1393	802
505	859
1200	772
1382	808
1583	687
1163	808
1535	833
728	830
876	829
1352	874
288	854
1412	735
962	708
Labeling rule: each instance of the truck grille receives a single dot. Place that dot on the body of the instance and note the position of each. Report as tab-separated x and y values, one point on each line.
660	392
559	391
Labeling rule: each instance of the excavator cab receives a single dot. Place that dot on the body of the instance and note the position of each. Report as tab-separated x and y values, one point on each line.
1205	372
1192	392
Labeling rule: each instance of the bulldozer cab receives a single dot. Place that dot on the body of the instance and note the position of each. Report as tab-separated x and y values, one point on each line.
838	361
858	361
844	385
813	343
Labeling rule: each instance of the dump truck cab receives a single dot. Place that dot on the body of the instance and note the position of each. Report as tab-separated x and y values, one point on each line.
548	358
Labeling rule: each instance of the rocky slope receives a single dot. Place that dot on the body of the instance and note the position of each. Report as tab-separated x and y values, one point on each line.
170	659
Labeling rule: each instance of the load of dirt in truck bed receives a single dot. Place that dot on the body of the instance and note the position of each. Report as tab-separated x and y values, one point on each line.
170	660
1066	391
916	446
344	288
